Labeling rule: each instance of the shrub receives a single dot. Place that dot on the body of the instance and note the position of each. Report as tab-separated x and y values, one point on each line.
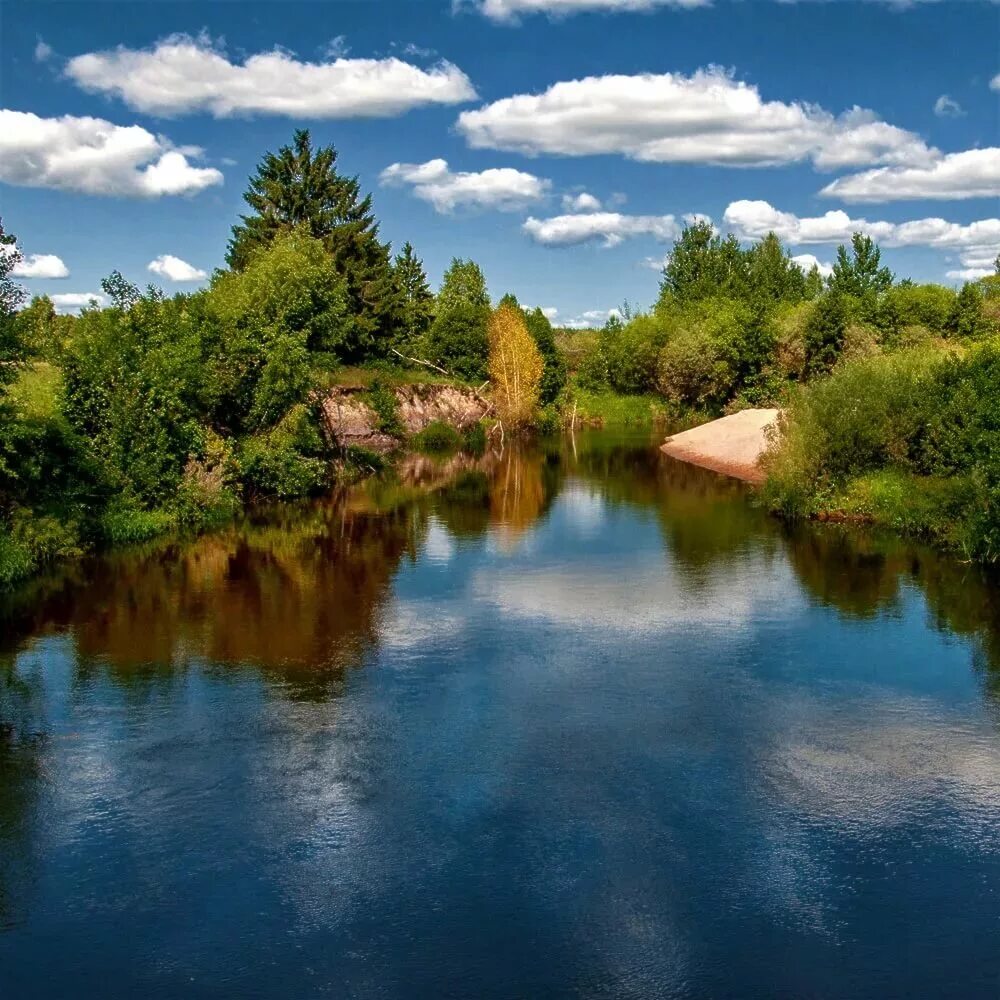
289	460
383	402
825	331
474	439
929	306
124	522
437	438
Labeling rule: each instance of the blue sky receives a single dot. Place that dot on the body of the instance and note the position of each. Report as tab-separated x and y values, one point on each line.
740	111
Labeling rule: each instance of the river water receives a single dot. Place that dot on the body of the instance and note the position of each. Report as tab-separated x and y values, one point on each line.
573	721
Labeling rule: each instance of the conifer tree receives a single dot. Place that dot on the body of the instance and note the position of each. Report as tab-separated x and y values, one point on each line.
300	186
413	295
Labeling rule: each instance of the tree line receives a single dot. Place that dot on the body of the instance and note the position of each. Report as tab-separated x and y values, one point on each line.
155	412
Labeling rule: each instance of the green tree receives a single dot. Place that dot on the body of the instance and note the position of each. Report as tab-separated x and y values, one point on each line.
772	275
554	370
825	331
463	282
703	264
860	272
122	292
966	319
457	339
11	297
285	313
813	288
413	295
298	186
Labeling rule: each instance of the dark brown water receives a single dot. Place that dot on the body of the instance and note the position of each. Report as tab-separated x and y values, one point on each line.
573	721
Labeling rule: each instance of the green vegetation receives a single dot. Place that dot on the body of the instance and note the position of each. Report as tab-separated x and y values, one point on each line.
157	413
907	440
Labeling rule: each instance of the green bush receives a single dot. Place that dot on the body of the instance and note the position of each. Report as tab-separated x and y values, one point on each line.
457	339
474	439
437	438
383	402
907	439
289	460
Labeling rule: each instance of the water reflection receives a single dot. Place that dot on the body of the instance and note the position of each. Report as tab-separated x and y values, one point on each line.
299	590
578	698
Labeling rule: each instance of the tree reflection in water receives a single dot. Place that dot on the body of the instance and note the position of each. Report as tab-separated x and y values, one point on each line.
298	590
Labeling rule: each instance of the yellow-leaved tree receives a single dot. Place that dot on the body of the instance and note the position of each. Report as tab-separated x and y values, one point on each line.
515	367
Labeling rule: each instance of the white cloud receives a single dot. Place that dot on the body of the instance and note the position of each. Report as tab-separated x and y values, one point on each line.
41	265
977	243
586	320
582	202
708	117
609	227
510	11
974	173
946	107
93	156
502	188
182	74
174	269
808	261
995	82
43	51
337	47
71	302
970	273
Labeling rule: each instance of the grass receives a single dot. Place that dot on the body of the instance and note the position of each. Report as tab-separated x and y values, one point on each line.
605	408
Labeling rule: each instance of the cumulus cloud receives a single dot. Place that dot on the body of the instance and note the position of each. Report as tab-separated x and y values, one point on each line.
586	320
43	51
946	107
708	117
174	269
977	243
41	265
974	173
93	156
72	302
511	11
501	188
611	228
582	202
995	82
182	75
808	261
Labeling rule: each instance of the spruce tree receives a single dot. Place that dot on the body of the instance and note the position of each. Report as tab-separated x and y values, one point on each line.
300	186
414	298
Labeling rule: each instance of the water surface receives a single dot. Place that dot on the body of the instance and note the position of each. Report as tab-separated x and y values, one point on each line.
574	721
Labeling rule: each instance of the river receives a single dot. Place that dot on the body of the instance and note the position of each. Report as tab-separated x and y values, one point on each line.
577	720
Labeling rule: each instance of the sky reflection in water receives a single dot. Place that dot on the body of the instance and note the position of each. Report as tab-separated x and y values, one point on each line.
573	721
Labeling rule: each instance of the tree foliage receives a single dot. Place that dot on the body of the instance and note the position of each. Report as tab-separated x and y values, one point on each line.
413	296
859	272
515	366
301	187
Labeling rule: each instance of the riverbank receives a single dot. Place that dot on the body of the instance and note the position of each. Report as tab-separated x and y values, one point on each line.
733	445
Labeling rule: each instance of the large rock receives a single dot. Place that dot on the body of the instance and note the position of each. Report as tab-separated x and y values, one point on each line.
349	421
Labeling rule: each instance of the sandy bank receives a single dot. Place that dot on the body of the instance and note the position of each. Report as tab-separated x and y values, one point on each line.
731	445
